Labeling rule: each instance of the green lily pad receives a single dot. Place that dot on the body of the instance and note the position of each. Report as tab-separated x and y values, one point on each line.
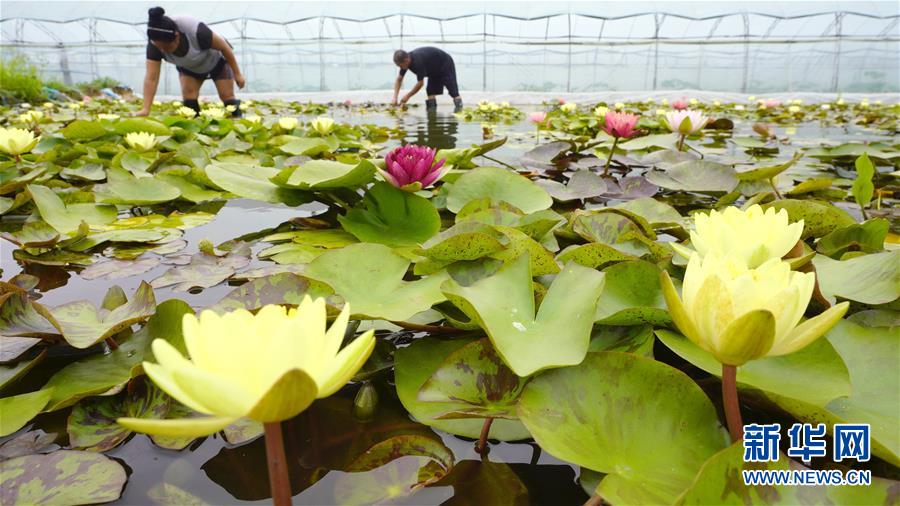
20	316
658	214
468	240
283	288
760	173
665	141
326	175
719	482
391	216
788	375
632	295
867	237
116	269
697	176
370	278
84	325
819	218
484	482
596	415
307	146
66	219
870	279
128	125
497	184
92	422
20	409
61	477
415	364
242	431
124	188
594	255
557	334
108	373
84	130
519	243
583	184
637	339
473	382
190	190
461	158
13	347
253	182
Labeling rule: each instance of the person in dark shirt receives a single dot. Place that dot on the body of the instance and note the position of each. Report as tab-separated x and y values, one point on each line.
434	64
198	54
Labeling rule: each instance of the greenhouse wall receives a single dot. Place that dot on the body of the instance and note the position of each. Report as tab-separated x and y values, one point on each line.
558	47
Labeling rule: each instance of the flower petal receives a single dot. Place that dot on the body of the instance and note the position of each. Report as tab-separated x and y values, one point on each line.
293	392
222	395
678	312
346	364
746	338
181	427
810	330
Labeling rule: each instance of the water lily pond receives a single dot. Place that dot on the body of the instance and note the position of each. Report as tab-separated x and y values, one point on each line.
547	304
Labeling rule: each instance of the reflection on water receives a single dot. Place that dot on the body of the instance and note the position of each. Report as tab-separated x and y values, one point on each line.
436	129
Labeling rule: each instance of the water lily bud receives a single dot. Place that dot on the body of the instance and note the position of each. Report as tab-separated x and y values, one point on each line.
794	109
569	107
693	101
739	314
751	98
797	101
293	361
826	107
412	167
253	118
47	105
600	111
840	101
537	117
716	103
665	101
365	404
619	105
287	123
323	125
141	141
739	107
17	141
176	103
230	108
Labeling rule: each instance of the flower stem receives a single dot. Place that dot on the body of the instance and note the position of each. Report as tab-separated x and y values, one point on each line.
595	500
279	481
538	135
481	446
730	400
775	189
680	145
609	158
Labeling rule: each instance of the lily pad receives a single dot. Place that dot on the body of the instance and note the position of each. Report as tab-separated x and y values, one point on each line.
128	125
326	175
819	218
108	373
283	288
61	477
20	409
473	382
84	130
92	422
84	325
415	364
253	182
555	335
497	184
66	219
632	295
116	269
388	215
583	184
124	188
697	176
20	316
867	237
203	271
596	415
594	255
370	278
870	279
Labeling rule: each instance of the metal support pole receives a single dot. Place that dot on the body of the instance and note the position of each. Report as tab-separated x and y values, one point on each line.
484	51
746	52
836	77
657	21
64	65
569	57
321	54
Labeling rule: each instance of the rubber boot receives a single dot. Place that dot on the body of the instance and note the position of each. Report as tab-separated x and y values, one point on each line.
193	104
431	104
237	107
457	104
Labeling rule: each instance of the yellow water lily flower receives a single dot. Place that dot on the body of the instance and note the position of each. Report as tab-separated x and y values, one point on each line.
47	105
825	107
323	125
287	123
739	314
141	141
31	117
568	107
794	109
739	107
108	116
751	236
230	108
187	112
253	118
17	141
600	111
619	105
267	367
213	113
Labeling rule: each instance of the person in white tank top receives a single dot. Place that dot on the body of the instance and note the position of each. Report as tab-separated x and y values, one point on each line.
197	52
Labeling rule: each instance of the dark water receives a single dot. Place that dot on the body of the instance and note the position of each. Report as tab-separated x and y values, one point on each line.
220	473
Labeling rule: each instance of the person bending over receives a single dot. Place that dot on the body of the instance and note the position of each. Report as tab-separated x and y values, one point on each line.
197	52
434	64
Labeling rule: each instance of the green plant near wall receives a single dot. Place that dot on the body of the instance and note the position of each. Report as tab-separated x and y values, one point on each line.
20	81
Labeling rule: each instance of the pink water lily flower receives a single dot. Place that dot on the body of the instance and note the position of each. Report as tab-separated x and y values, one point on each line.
680	105
537	117
620	124
675	120
412	167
